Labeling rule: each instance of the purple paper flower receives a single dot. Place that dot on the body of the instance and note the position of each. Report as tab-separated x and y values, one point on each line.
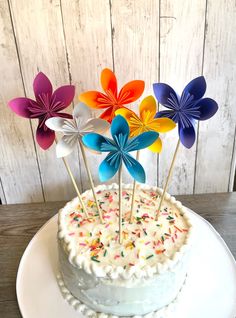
47	104
187	108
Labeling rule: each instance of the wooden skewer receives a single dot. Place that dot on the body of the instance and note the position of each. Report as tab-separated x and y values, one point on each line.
90	179
74	184
120	204
169	176
133	193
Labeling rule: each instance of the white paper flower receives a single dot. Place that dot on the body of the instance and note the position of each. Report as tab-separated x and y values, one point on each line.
74	129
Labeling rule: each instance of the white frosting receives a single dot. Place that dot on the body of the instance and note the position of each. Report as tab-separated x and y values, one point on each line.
88	312
145	272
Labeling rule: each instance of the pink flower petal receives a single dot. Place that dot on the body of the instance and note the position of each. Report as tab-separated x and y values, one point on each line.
45	137
42	85
20	106
63	96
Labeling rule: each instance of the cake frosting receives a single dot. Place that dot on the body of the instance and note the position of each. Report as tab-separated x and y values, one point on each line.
141	275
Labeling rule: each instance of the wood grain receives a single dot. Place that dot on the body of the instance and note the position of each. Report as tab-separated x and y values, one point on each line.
88	40
216	136
16	146
181	46
20	222
41	47
135	34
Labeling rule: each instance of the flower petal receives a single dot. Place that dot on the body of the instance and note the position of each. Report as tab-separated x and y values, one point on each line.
120	130
135	124
147	109
45	137
134	168
42	85
94	99
109	166
108	115
142	141
162	125
165	95
66	145
20	106
130	92
82	111
98	143
95	125
165	113
64	115
197	87
156	146
63	95
56	123
187	135
108	81
207	107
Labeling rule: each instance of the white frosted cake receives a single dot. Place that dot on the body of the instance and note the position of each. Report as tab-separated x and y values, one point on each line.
143	274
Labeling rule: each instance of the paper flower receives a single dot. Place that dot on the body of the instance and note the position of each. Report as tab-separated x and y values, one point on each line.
47	104
119	148
111	100
187	108
74	129
146	121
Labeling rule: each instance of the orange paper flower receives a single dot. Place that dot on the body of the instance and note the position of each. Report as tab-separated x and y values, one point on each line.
111	99
146	121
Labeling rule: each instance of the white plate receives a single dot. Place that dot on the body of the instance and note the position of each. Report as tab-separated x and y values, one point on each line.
210	290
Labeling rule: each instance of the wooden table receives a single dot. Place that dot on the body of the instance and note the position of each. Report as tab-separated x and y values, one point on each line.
18	224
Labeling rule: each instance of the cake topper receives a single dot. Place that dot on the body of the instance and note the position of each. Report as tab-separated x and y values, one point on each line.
73	130
185	110
118	149
145	121
111	100
47	104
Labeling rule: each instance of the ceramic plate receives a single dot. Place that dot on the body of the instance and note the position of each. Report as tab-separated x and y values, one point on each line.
210	290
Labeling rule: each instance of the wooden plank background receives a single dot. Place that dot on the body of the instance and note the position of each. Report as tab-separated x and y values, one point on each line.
154	40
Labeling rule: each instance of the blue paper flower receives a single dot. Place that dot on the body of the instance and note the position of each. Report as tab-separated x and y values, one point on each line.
119	148
188	108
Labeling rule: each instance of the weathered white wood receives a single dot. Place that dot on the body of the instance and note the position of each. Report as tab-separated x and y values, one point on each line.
135	26
216	136
88	39
40	40
181	46
16	147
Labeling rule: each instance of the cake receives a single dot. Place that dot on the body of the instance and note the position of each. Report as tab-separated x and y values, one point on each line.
143	274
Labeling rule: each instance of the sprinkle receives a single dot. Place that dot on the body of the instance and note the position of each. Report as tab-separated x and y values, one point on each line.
106	217
162	238
116	256
122	254
147	243
184	230
164	213
178	229
167	234
106	226
170	218
72	233
149	256
144	230
93	258
173	240
131	264
159	251
82	244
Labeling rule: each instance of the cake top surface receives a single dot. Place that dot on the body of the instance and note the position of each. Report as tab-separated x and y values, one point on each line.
146	241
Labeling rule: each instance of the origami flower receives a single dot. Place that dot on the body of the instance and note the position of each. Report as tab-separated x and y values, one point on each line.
111	100
187	108
74	129
119	148
47	104
146	121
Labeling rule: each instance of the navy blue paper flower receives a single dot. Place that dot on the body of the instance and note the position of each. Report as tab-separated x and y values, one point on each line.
187	108
119	148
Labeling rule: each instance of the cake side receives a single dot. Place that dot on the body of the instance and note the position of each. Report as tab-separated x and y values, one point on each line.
111	284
